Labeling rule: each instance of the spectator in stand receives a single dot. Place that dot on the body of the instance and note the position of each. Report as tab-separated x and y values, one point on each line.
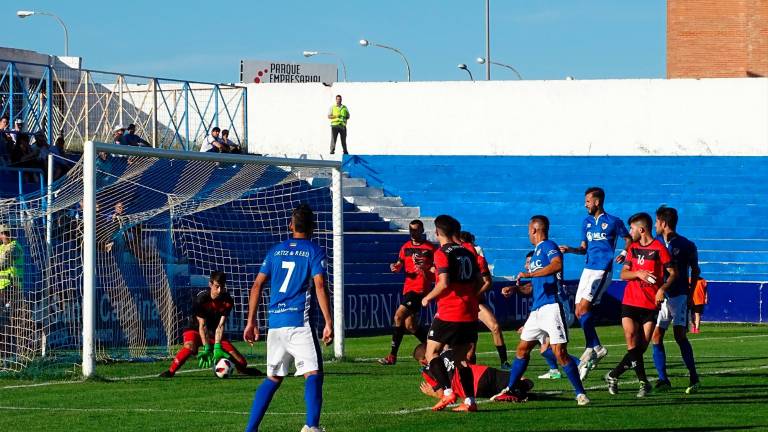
118	135
213	142
6	143
18	126
233	146
132	139
23	155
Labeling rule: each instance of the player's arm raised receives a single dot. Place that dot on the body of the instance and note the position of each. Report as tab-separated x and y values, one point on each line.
251	332
325	307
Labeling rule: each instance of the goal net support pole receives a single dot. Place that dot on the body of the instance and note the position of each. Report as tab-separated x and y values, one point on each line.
92	149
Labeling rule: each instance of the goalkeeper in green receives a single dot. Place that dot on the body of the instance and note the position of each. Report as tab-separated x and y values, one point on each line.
210	310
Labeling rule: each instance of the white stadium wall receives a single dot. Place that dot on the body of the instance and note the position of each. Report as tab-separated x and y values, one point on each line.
727	117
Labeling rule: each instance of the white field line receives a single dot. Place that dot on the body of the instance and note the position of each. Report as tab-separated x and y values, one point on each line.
140	377
398	412
669	341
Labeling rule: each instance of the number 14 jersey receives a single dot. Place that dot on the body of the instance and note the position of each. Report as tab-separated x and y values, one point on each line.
291	265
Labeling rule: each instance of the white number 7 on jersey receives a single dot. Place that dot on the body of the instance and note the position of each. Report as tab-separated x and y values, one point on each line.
290	265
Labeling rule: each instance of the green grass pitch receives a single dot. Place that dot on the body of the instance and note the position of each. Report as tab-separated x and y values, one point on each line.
363	396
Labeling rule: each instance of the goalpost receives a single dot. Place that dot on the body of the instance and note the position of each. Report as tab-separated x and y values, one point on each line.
116	250
90	197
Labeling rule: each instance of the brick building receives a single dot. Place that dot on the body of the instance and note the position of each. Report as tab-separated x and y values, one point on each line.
717	38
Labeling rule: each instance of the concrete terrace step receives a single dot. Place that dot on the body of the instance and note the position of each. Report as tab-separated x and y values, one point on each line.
368	201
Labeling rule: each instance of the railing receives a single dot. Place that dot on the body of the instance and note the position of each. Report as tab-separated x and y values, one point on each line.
87	104
20	175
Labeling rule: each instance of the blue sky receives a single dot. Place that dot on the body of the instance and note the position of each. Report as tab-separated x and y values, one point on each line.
196	40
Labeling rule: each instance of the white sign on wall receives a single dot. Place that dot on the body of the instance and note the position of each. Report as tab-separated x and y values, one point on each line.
265	71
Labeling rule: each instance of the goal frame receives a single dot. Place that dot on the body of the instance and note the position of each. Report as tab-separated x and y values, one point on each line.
91	150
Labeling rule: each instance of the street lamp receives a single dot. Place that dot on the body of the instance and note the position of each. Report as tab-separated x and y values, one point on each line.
314	53
464	67
365	43
488	39
26	13
481	60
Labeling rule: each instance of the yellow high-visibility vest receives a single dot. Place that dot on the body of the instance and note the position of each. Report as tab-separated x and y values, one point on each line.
13	269
341	115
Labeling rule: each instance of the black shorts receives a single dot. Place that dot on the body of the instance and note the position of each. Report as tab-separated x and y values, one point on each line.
412	302
638	314
453	333
698	309
493	381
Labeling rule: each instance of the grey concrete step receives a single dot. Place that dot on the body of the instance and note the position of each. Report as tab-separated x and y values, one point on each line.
393	212
402	223
362	191
353	182
374	201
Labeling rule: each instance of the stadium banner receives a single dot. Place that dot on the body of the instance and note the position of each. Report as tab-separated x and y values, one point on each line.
268	71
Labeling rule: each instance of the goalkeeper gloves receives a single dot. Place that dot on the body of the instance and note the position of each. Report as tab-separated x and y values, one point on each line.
219	353
204	357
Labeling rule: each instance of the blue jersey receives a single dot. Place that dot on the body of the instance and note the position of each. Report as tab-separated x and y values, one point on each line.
601	235
545	288
291	265
684	256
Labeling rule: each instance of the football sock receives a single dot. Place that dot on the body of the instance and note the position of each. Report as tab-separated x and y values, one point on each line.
421	334
437	369
549	356
397	338
687	352
572	372
517	370
575	359
261	401
638	364
590	333
623	366
241	364
313	398
467	381
502	350
660	361
180	359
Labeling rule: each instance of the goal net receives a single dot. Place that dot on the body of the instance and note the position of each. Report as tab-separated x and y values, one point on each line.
121	288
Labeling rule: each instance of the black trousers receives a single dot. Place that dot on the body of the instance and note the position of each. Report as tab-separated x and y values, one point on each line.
335	132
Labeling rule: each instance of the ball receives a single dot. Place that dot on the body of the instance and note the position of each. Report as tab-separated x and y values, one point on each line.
223	368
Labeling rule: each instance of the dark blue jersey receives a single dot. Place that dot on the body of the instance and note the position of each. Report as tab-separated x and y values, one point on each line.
685	256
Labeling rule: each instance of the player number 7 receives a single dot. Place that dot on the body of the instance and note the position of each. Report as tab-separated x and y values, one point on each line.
290	265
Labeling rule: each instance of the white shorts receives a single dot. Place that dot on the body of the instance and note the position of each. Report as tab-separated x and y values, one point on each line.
545	321
297	344
592	285
673	310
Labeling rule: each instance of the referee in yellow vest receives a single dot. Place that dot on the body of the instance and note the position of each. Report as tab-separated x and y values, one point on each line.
339	114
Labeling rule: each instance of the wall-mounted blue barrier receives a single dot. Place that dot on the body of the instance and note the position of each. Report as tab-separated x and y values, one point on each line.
369	309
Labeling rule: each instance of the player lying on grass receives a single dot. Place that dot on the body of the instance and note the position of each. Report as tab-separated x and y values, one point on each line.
210	310
487	380
546	316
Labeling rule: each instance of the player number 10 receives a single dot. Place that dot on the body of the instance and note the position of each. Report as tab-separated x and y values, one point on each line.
290	265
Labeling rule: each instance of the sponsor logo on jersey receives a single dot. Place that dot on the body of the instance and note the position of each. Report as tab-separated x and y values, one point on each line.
596	236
